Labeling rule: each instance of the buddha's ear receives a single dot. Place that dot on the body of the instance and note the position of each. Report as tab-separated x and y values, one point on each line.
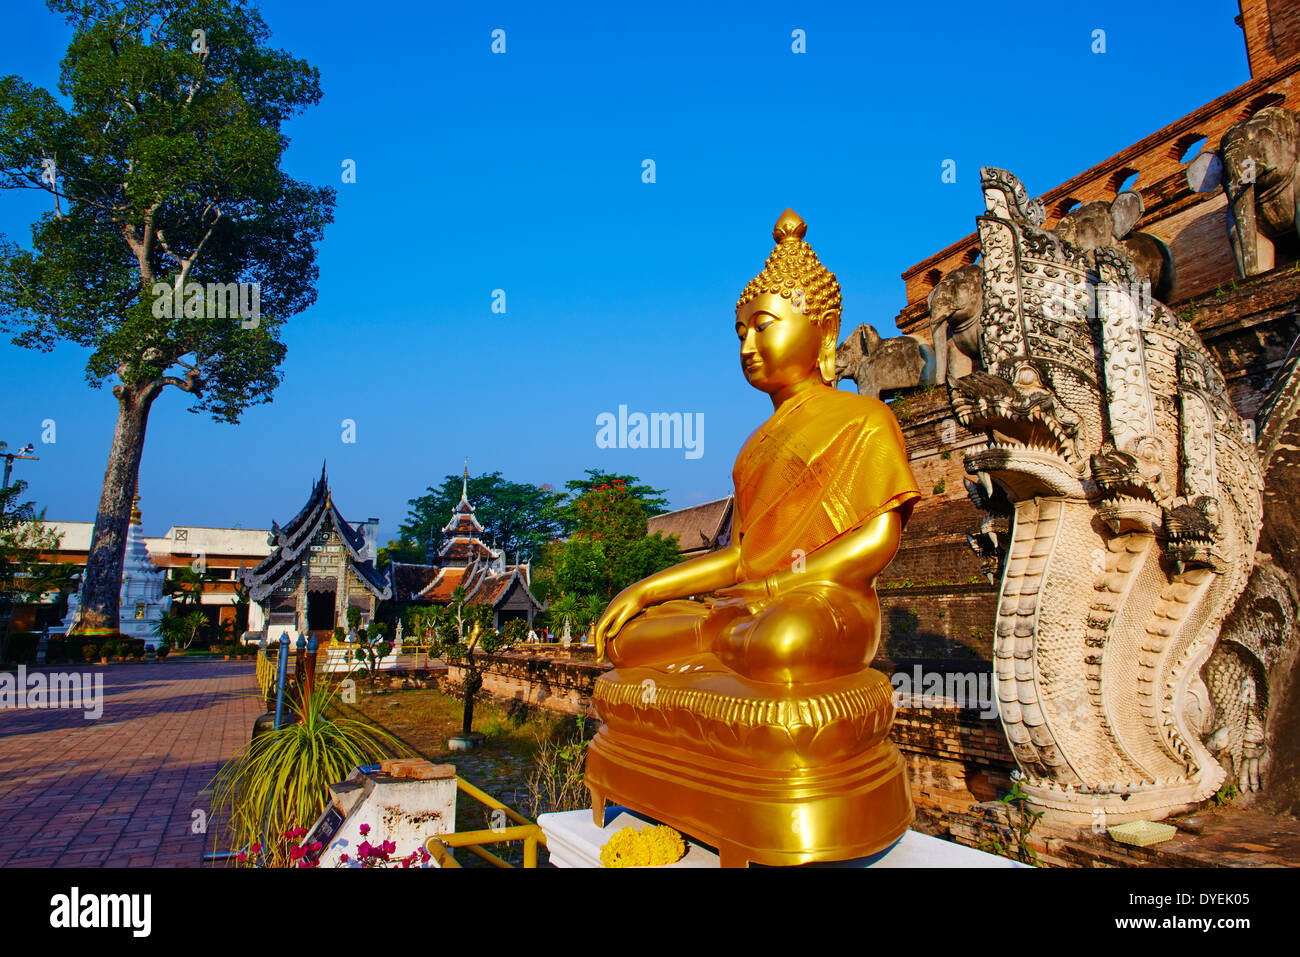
830	324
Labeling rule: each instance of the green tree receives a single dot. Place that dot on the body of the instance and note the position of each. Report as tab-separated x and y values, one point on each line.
519	517
24	535
403	550
163	166
642	558
652	500
608	550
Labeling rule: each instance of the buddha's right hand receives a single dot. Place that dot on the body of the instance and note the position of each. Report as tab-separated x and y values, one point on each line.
627	604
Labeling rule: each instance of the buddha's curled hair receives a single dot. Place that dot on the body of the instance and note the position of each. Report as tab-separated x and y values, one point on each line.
794	272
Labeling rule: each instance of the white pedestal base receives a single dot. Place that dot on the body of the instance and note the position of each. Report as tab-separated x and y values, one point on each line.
574	841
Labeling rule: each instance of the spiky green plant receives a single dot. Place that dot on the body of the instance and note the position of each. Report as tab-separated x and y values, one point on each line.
279	781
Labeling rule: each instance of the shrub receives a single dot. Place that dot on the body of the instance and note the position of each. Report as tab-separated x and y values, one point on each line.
515	632
279	781
218	650
556	782
90	651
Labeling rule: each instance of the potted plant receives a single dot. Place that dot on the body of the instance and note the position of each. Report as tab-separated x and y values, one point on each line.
279	780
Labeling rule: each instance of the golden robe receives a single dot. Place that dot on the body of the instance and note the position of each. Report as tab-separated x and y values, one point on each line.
825	463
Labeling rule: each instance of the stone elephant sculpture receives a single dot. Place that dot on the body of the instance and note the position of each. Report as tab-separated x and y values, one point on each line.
955	306
1099	224
881	367
1257	164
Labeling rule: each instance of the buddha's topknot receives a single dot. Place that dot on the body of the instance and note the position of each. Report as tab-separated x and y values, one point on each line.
794	272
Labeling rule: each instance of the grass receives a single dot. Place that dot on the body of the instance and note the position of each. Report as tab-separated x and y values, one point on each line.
522	747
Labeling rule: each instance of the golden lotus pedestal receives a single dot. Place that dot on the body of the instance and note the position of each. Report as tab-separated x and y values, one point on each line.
765	773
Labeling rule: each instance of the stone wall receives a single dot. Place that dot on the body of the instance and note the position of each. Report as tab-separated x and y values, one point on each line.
561	685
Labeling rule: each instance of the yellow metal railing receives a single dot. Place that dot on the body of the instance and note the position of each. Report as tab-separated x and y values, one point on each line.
439	846
265	672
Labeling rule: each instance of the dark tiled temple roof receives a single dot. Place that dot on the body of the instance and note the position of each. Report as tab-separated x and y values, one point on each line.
700	528
410	580
463	551
290	542
462	560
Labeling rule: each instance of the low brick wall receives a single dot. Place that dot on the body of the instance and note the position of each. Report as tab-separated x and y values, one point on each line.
557	684
956	758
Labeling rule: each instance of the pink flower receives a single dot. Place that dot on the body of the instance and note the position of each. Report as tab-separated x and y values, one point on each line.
256	849
241	857
343	858
365	829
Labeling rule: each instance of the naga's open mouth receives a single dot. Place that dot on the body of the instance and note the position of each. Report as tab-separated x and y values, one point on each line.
1193	535
1033	439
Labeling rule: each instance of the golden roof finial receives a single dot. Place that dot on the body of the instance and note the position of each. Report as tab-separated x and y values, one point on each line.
136	517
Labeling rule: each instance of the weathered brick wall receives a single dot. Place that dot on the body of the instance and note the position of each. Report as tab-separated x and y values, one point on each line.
937	623
955	758
561	685
1191	223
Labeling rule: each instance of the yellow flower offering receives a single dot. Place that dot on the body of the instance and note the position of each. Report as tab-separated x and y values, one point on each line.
648	847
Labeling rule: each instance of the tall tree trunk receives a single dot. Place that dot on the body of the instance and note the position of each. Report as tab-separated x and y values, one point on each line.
101	583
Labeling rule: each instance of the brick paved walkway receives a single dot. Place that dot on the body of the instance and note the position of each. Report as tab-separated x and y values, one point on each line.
120	791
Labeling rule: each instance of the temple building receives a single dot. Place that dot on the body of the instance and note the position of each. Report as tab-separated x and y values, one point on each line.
700	529
463	559
219	553
320	564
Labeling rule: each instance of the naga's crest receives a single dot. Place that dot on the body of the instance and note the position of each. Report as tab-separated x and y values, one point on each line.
1137	501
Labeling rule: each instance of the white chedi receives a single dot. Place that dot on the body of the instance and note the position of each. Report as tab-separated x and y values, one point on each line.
141	601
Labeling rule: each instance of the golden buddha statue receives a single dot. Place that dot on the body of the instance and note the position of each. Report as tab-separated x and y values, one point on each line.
750	719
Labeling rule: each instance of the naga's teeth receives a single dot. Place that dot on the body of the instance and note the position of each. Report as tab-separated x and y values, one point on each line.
986	481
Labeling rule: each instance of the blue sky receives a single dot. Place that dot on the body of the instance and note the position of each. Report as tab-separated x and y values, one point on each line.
522	172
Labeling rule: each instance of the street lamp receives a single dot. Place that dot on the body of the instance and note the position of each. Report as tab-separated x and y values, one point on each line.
23	453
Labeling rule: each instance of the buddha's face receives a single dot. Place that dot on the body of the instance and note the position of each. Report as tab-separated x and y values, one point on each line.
779	345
